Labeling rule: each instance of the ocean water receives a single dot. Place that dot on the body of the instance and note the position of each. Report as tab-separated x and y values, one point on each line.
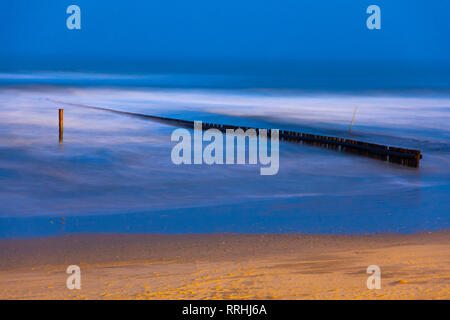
114	173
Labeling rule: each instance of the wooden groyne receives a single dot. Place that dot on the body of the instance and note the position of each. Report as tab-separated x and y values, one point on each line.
406	157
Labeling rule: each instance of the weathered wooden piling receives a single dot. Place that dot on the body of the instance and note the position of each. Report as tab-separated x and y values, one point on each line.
407	157
61	125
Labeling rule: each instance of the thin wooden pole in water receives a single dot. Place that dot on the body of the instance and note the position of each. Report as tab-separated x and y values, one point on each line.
353	120
61	127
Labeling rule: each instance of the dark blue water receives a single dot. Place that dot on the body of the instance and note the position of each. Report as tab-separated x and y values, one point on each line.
114	173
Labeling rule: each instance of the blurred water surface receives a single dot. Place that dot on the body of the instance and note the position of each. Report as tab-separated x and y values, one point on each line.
113	173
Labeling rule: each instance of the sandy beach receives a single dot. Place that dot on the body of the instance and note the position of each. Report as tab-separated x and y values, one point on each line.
227	266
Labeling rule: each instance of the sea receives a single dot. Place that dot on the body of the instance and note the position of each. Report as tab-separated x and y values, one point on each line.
114	174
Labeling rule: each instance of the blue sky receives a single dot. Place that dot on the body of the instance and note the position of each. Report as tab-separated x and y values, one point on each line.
117	33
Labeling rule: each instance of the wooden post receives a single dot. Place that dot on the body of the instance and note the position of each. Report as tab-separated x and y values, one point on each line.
353	120
61	127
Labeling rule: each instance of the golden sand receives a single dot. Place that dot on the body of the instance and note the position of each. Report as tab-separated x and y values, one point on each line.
227	266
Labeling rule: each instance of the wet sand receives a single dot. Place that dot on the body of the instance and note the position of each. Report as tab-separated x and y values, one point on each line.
227	266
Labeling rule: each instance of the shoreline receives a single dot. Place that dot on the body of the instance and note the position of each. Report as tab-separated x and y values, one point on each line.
227	266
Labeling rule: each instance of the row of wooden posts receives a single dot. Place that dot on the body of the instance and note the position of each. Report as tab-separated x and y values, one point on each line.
407	157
